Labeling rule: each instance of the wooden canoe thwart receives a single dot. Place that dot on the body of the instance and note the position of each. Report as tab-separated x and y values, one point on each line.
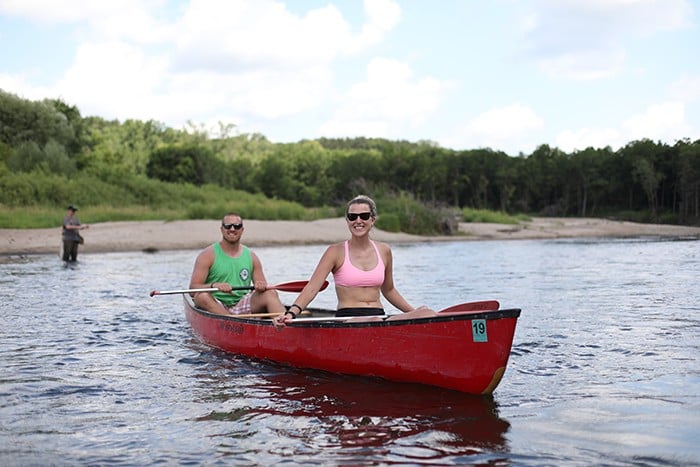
466	351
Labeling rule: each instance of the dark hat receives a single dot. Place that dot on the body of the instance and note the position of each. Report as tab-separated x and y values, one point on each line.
72	208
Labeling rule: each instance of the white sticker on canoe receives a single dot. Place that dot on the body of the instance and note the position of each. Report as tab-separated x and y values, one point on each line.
479	330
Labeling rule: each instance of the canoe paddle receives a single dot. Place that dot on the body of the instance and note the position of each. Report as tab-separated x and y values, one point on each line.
484	305
294	286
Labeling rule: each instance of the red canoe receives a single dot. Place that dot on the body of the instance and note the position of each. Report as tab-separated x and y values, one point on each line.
465	351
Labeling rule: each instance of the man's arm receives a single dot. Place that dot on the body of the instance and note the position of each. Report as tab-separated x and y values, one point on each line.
200	272
259	280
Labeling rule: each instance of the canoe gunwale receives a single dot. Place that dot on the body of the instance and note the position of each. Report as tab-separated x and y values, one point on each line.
487	315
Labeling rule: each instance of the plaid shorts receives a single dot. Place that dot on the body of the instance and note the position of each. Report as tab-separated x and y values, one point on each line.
243	305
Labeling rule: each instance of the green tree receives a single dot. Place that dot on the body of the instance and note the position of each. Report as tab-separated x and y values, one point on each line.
588	179
689	180
544	174
274	176
641	157
123	146
351	169
184	164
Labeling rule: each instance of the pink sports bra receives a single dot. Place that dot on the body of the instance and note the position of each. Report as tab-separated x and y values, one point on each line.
348	275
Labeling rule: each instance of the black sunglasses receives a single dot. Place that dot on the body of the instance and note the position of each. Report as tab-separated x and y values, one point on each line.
362	215
235	226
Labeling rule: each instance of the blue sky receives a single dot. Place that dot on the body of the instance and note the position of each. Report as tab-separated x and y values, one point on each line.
505	74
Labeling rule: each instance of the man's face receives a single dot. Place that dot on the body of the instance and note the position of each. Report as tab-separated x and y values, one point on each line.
232	227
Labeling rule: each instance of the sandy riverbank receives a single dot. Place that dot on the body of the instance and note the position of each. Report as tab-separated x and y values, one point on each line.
196	234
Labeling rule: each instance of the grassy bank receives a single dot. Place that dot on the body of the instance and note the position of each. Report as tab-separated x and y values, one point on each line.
33	217
39	200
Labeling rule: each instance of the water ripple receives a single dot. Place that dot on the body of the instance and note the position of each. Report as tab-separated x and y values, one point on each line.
604	368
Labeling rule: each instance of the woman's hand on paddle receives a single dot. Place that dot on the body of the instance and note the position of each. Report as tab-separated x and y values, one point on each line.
282	320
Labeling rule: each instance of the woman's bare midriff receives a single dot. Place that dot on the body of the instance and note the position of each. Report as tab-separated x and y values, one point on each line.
358	297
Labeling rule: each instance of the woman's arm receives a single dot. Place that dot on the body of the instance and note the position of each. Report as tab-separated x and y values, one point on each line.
324	267
388	289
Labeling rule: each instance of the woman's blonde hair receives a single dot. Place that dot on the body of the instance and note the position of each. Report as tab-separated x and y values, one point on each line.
362	199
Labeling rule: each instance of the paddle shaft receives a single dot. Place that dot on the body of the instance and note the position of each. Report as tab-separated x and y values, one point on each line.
332	318
264	315
208	289
485	305
294	286
470	307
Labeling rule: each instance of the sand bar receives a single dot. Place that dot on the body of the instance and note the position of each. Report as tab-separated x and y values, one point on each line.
196	234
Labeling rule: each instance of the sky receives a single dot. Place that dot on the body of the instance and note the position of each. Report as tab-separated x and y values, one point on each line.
509	75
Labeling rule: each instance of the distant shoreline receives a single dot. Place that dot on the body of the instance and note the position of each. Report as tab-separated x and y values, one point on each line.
196	234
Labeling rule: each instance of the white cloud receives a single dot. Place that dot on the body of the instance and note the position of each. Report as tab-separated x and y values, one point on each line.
270	66
388	100
505	121
585	65
510	129
383	16
271	96
573	140
117	80
244	34
251	59
240	35
659	122
686	89
22	87
266	61
63	11
114	79
126	19
665	121
587	39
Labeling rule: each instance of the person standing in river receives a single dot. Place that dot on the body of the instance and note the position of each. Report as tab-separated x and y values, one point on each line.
71	234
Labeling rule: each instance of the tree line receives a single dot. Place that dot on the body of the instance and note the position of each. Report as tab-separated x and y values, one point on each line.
644	180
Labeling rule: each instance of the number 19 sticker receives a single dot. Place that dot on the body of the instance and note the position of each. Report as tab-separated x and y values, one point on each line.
479	330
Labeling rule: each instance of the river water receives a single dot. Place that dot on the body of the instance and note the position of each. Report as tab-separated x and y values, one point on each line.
605	366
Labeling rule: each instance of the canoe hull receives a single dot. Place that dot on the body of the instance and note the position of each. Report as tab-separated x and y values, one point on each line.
467	352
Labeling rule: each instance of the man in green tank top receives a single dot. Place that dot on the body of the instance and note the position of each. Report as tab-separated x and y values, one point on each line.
232	268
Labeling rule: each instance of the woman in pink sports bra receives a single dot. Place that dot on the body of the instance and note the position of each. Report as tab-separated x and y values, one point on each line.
362	271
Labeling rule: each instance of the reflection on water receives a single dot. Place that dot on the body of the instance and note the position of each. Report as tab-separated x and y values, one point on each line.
360	415
604	368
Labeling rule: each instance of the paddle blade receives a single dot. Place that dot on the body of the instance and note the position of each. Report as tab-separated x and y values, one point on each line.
485	305
295	286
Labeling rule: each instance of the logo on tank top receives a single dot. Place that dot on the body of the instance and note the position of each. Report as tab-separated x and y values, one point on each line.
244	274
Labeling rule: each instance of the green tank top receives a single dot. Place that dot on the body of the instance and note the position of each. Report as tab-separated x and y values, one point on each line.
236	271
